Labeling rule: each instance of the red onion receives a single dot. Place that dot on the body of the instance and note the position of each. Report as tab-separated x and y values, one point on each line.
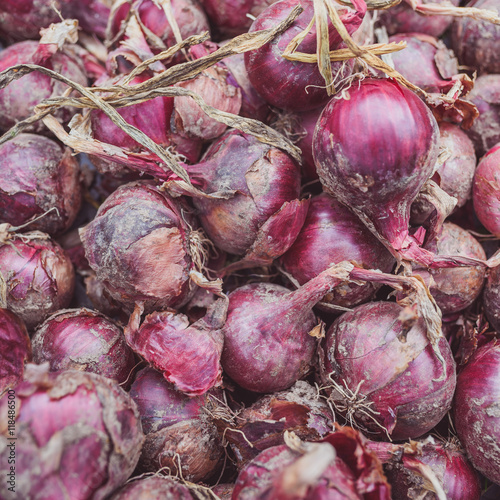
179	430
307	124
92	15
263	424
267	340
187	355
38	277
39	175
486	190
485	131
23	19
475	410
332	234
340	467
402	18
378	164
15	349
223	490
80	339
141	245
382	373
491	298
18	99
78	436
475	42
436	63
153	487
420	468
290	84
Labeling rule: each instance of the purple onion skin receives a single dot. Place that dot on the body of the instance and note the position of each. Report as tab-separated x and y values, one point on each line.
153	487
491	298
137	245
15	349
80	339
485	131
399	380
78	436
330	235
455	289
39	276
283	83
476	42
381	160
23	19
307	125
38	175
92	15
402	18
18	99
475	410
175	426
486	191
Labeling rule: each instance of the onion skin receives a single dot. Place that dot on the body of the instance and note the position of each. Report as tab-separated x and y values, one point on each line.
78	436
400	380
136	222
475	411
148	488
15	349
92	15
39	175
39	276
331	234
491	298
378	164
476	42
18	99
81	339
486	191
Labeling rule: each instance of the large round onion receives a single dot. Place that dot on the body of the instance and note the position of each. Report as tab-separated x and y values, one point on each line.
384	375
78	436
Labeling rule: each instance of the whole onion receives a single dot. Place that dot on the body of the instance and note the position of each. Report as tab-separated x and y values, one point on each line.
81	339
485	131
78	436
486	190
377	165
140	246
179	430
290	84
15	349
475	411
384	375
475	42
18	99
331	234
39	175
38	276
148	488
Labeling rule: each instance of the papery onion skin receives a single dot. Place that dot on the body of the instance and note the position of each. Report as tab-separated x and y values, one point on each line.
153	487
39	276
475	42
78	436
331	234
138	246
378	163
15	349
18	99
486	190
81	339
400	393
178	429
38	176
475	410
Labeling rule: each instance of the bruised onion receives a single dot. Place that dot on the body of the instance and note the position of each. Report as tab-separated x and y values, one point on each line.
384	375
81	339
291	84
331	234
149	488
475	410
15	349
377	165
38	276
140	246
39	177
179	430
78	435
